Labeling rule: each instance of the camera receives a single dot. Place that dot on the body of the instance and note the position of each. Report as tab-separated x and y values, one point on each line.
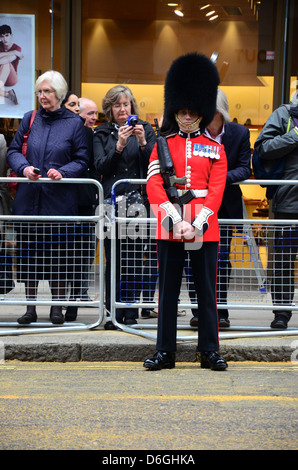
36	171
132	120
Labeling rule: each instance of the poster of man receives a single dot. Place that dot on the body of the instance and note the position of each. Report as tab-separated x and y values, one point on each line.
17	64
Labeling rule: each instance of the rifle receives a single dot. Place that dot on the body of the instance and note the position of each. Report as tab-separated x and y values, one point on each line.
167	168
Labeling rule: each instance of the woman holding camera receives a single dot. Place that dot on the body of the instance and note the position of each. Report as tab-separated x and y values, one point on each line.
122	147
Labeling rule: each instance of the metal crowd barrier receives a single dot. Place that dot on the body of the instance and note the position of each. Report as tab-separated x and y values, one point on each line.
250	258
78	238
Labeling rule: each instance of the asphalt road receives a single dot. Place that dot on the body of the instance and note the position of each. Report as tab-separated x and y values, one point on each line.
121	406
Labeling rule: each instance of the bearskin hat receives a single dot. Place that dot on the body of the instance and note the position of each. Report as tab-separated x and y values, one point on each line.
191	83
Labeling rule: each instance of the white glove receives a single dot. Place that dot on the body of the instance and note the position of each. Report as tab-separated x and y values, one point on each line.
200	221
172	216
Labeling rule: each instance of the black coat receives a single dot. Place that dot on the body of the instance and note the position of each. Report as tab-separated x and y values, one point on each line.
132	163
237	146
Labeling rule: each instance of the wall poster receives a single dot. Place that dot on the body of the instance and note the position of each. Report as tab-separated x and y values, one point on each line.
17	65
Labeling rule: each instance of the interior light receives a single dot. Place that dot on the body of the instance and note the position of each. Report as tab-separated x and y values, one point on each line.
173	4
178	12
213	17
205	6
210	13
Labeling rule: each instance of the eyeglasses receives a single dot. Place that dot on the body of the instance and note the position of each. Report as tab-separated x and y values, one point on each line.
45	92
119	106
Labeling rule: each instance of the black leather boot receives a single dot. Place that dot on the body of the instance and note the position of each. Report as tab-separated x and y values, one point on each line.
160	360
280	322
56	316
212	360
28	317
71	313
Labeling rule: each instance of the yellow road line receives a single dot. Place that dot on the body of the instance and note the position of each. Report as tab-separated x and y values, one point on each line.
123	397
139	366
181	367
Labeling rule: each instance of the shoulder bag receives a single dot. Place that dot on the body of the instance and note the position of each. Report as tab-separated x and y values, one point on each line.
12	173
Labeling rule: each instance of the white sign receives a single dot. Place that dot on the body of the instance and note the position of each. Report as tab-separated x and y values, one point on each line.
269	55
17	65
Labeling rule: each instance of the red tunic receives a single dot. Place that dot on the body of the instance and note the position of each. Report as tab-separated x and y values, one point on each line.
203	162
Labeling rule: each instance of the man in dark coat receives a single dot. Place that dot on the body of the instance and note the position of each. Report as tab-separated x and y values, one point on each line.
235	139
279	139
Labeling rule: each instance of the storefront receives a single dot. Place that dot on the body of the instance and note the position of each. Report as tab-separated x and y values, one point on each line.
98	44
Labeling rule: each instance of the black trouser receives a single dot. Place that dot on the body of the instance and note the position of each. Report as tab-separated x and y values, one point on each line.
83	256
223	272
284	256
224	267
171	257
128	276
150	270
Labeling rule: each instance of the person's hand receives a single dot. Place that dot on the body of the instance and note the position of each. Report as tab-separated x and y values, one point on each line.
123	134
184	230
187	230
54	174
19	54
139	132
29	173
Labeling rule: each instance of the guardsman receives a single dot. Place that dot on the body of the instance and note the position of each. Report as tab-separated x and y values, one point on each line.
185	184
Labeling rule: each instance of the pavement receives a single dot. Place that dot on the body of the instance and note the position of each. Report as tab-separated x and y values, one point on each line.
249	338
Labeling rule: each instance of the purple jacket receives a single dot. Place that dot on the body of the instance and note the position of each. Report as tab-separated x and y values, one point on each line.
57	140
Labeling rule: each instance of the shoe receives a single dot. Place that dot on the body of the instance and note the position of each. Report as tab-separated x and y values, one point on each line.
71	313
56	316
148	313
280	322
223	322
110	326
212	360
27	318
130	321
13	97
194	322
160	360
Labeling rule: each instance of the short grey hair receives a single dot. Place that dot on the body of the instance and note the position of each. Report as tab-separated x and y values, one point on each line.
222	106
56	81
113	96
84	102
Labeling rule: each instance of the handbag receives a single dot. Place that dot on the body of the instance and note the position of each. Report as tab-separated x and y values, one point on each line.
123	203
12	173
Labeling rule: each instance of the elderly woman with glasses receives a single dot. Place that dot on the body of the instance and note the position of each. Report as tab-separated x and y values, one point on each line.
57	148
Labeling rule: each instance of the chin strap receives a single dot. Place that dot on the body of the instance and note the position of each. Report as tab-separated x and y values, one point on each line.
196	123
